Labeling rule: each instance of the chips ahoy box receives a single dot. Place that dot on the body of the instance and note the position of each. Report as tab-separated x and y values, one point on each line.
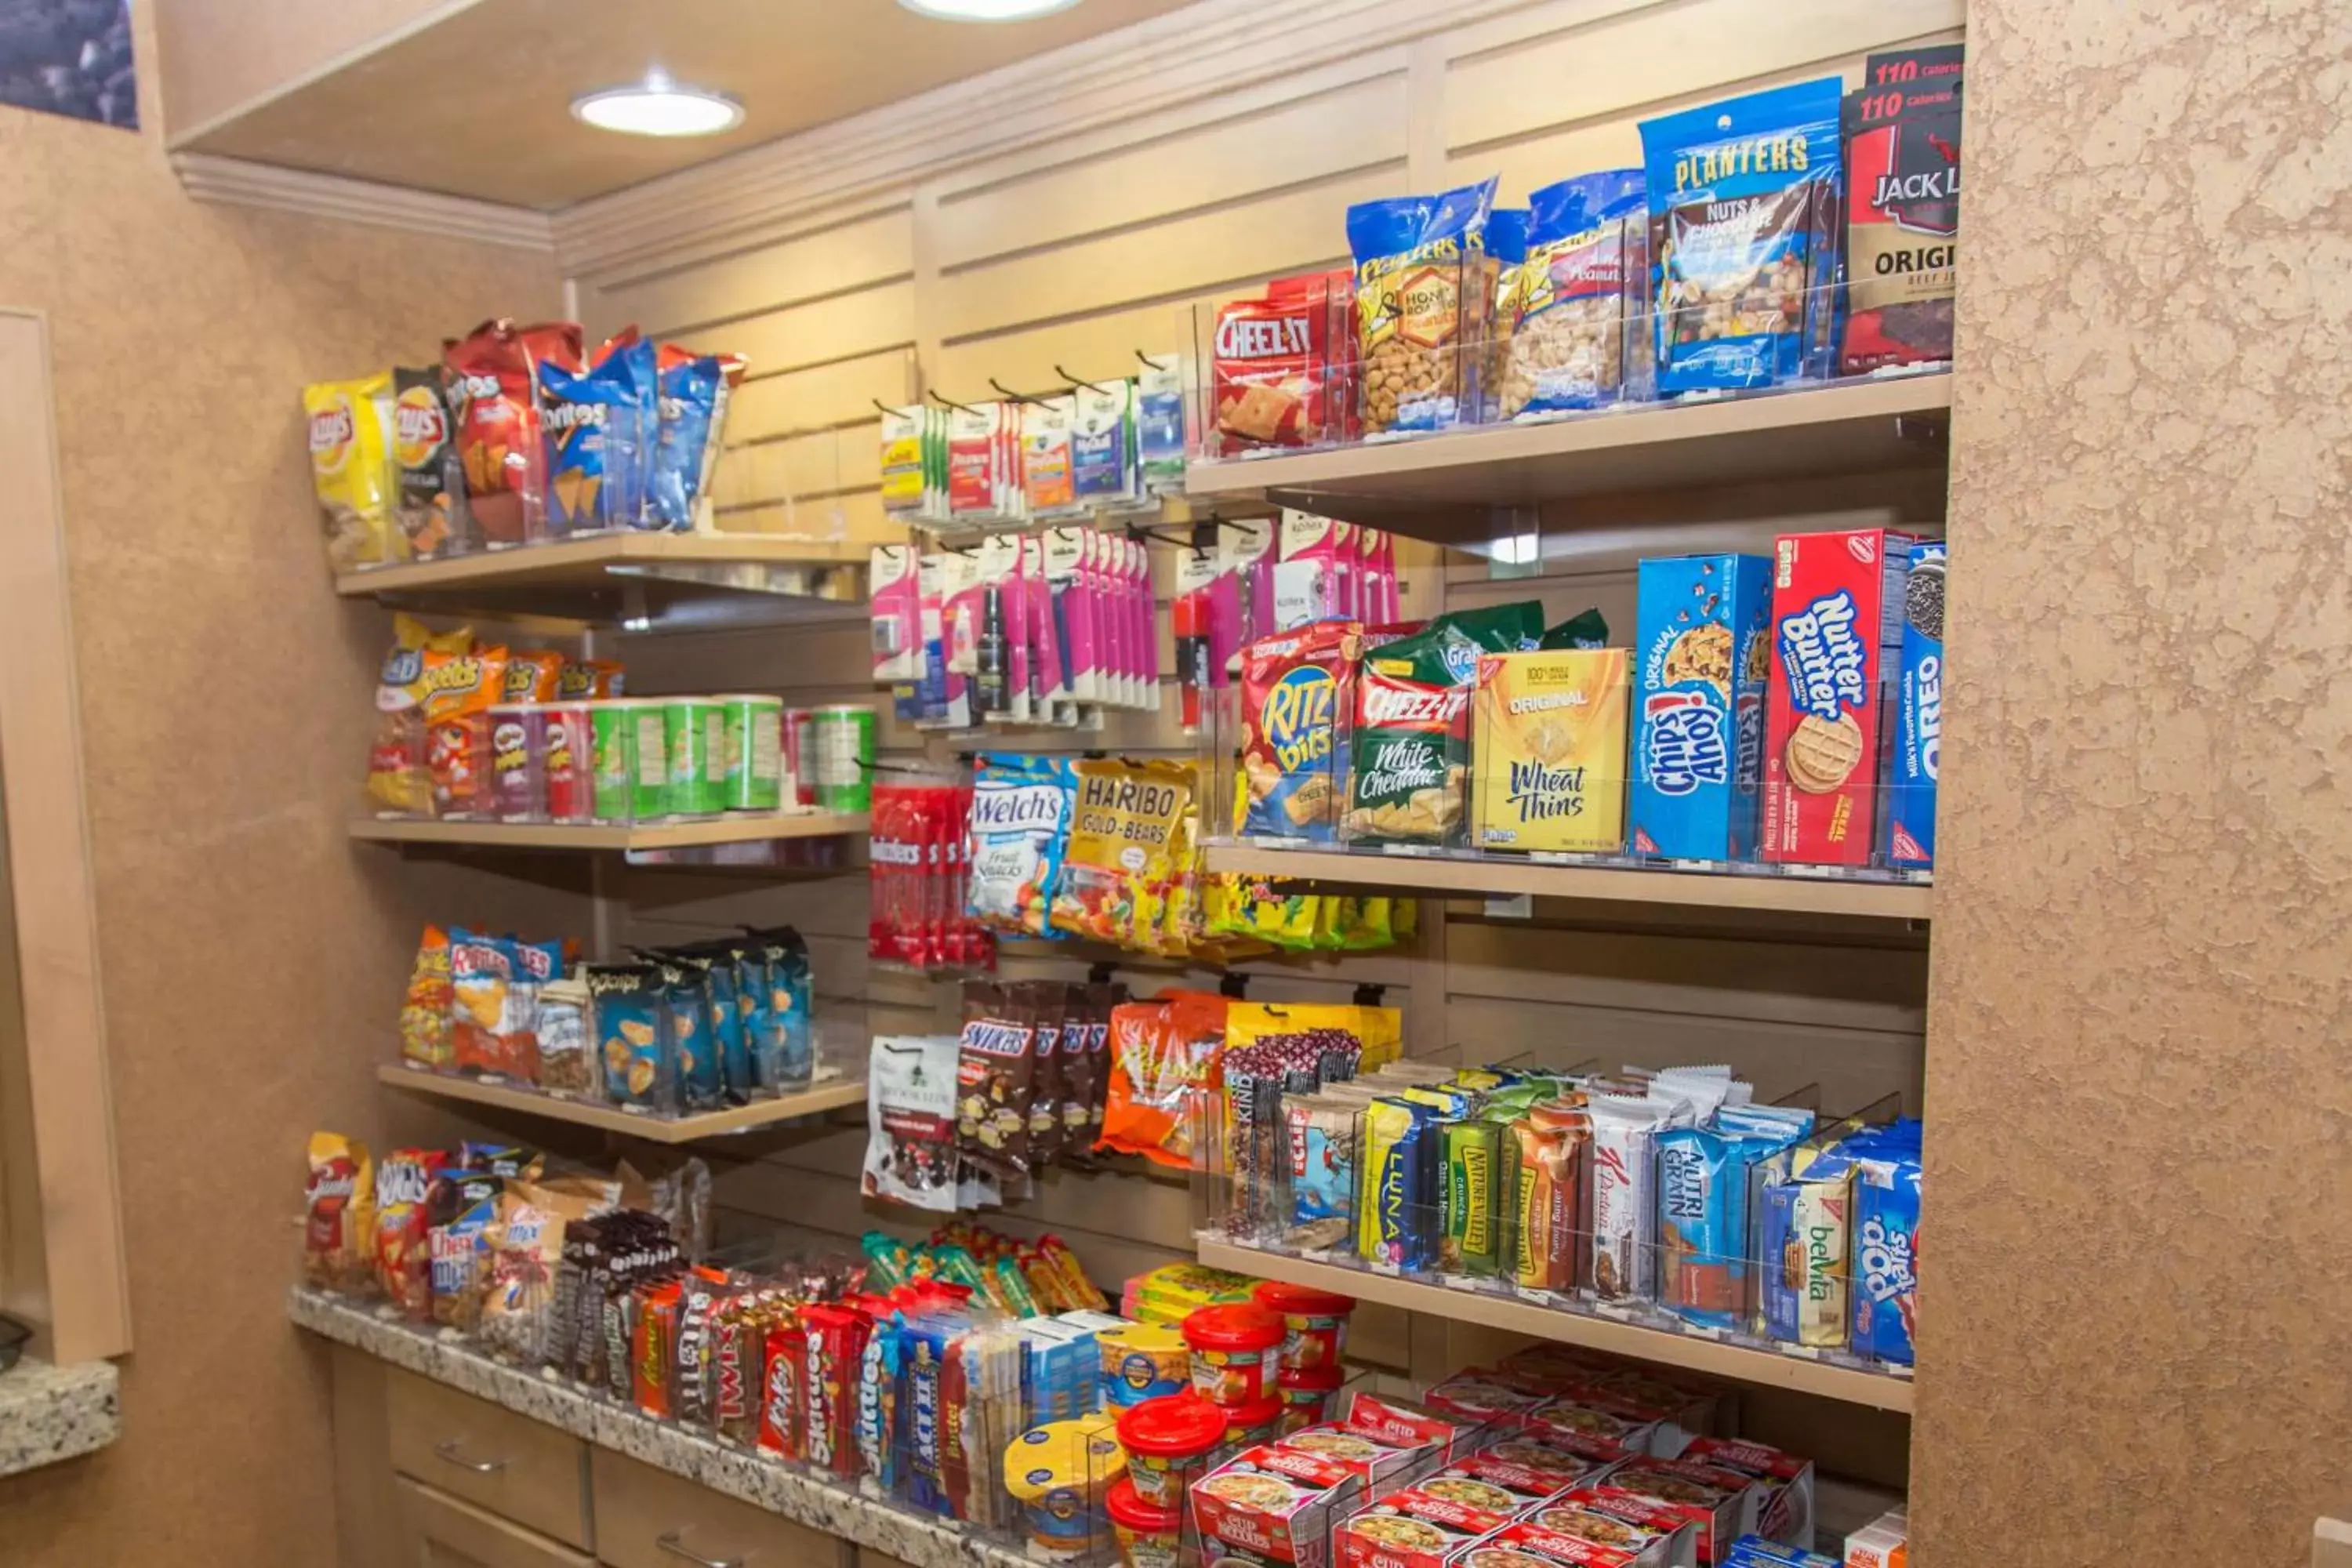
1907	809
1837	619
1698	718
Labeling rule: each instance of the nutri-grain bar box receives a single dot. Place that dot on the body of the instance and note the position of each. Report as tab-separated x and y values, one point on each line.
1907	804
1702	660
1837	626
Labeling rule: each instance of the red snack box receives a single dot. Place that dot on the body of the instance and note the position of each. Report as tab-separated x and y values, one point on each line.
1837	611
1272	364
1511	1476
1383	1464
836	1339
1722	1504
1401	1422
1482	1398
1591	1429
782	1418
1787	1511
1275	1503
1412	1529
1599	1532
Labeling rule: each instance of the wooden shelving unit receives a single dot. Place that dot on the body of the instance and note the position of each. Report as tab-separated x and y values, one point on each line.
1471	878
748	828
821	1096
1443	488
585	563
1721	1358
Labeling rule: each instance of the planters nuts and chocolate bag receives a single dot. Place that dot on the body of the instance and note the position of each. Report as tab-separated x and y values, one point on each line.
1549	752
1743	237
1837	612
1908	806
1903	222
1702	639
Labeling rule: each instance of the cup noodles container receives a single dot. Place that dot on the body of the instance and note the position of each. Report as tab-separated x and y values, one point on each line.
1401	1422
1597	1530
1233	1351
1510	1482
1884	1542
1702	652
1786	1511
1722	1504
1168	1443
1149	1536
1907	800
1479	1398
1591	1431
1315	1324
1274	1503
1837	618
1305	1397
1247	1426
1413	1528
1383	1464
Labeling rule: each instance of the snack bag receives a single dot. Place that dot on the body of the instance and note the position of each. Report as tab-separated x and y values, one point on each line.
1019	828
1277	378
340	1200
692	406
1411	740
911	1145
351	469
1298	690
630	374
485	1004
1421	298
1162	1053
430	499
1125	846
1580	294
575	411
1506	253
532	676
1903	223
591	679
493	370
1744	198
1550	758
424	1016
995	1075
402	1236
459	1207
459	690
400	779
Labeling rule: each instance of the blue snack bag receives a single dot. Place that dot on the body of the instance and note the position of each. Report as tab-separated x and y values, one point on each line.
1885	1256
1021	814
632	431
688	412
1907	818
1702	663
1744	199
1421	301
632	1028
575	412
1578	336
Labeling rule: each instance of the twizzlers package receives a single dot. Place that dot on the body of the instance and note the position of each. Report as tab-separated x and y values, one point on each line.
1272	368
1837	614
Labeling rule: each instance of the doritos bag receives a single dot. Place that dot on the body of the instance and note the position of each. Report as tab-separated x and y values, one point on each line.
576	417
351	469
690	407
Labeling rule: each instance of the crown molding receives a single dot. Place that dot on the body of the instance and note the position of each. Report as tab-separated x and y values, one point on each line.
830	173
237	182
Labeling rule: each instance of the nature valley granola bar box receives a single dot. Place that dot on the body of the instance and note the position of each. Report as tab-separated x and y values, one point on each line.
1548	751
1837	621
1702	656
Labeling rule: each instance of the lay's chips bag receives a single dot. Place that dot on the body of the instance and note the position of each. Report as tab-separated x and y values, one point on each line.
348	424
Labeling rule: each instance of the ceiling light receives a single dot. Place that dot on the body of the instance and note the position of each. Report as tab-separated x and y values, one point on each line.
986	10
659	107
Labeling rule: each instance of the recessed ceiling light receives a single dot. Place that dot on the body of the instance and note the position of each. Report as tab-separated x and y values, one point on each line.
659	107
986	10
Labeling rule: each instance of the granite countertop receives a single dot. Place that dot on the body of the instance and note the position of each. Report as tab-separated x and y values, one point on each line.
914	1538
52	1412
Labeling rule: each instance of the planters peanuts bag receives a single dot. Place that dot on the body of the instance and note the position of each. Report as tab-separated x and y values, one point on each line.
1577	339
1423	293
1744	198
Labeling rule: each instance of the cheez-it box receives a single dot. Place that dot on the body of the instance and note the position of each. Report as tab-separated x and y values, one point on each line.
1837	620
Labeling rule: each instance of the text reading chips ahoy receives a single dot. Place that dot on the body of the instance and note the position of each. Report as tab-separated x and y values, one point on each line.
1698	722
1837	613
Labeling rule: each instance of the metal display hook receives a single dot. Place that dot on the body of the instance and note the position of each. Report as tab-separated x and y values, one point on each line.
1080	379
947	402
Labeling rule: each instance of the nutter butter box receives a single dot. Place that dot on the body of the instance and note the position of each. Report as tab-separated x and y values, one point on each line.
1837	618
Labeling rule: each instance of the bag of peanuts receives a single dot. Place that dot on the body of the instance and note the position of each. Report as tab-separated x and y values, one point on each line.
1575	324
1423	293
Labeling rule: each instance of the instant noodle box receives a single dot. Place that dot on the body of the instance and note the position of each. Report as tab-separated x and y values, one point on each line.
1233	1353
1382	1459
1275	1503
1415	1527
1721	1505
1585	1530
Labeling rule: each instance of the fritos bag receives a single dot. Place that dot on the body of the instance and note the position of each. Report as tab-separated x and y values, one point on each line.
339	1198
400	778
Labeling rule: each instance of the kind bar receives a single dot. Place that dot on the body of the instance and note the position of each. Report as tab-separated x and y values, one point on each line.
1703	659
1743	237
1908	804
1550	753
1837	616
1412	739
1903	217
1272	369
1294	688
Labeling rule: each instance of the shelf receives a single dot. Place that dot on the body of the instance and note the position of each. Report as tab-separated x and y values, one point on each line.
748	828
667	581
1441	487
824	1097
1471	878
1878	1390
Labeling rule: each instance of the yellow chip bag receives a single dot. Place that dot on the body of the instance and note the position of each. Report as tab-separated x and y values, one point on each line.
1547	750
350	469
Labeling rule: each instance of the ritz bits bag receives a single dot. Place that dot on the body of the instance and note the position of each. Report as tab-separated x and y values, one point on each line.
1422	294
1126	850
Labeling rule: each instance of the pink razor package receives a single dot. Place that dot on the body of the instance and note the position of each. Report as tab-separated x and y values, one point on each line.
897	619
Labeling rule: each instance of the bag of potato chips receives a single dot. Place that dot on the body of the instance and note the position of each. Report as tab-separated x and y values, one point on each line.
399	779
340	1197
351	469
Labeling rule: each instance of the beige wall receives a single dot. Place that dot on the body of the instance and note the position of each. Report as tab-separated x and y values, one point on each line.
217	55
252	958
2138	1153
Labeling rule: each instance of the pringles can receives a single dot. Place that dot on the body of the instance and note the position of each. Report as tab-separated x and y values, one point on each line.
694	731
754	752
842	735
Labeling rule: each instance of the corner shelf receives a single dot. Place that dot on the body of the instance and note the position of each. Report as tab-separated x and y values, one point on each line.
819	1098
746	828
1877	1390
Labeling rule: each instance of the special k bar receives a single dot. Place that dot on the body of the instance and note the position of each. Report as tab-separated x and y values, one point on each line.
1837	623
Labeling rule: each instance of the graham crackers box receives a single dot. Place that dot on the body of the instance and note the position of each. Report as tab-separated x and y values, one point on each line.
1702	652
1907	805
1837	623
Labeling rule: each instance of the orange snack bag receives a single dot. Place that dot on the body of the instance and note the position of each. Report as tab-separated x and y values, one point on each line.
459	688
1161	1053
425	1035
398	779
532	676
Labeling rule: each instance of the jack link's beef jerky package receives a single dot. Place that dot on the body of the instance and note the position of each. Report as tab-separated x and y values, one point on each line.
1903	215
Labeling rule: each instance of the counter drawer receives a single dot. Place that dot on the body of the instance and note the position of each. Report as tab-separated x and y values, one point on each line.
436	1530
517	1467
650	1519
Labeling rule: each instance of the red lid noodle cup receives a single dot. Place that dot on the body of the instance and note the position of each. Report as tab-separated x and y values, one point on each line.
1316	1322
1233	1350
1132	1512
1252	1422
1175	1425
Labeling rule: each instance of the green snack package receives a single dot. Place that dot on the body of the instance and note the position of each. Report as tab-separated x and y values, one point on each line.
1588	630
1514	627
1410	747
1474	1183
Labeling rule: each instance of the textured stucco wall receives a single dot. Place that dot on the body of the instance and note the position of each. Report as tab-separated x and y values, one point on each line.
2140	1158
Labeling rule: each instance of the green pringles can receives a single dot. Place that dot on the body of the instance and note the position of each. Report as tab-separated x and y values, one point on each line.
613	732
752	760
843	738
1473	1243
694	734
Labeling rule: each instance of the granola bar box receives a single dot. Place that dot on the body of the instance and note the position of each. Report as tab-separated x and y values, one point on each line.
1837	620
1702	657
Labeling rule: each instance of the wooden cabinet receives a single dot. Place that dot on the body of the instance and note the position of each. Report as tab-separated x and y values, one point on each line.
517	1467
650	1519
437	1531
